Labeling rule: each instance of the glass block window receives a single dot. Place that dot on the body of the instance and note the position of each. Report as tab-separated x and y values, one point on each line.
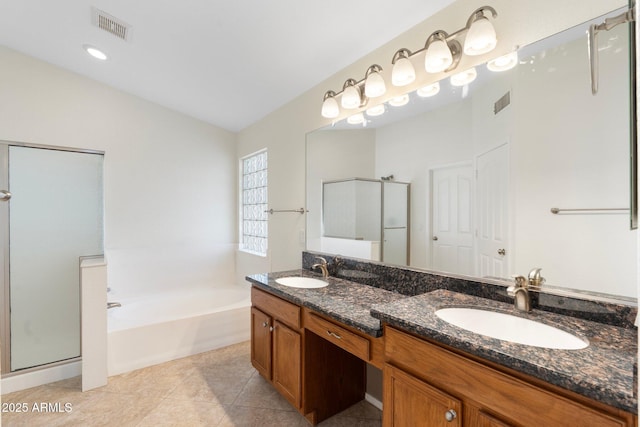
254	204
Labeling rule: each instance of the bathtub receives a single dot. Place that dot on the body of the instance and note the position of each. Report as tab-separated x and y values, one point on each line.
167	325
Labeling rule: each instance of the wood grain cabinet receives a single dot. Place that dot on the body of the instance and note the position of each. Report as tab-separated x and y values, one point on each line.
428	385
276	344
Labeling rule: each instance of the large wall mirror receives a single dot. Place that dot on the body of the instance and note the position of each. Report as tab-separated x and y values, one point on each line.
518	169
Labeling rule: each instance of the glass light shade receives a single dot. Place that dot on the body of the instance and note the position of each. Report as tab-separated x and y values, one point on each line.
95	52
481	38
428	91
438	57
399	101
356	119
374	86
330	108
504	63
403	72
464	77
351	97
376	110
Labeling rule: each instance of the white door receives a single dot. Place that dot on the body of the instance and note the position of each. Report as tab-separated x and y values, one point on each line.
493	220
452	219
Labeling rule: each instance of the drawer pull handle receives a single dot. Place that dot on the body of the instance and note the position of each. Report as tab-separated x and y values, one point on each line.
333	334
450	415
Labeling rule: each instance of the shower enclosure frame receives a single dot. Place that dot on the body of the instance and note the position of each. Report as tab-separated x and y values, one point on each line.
5	294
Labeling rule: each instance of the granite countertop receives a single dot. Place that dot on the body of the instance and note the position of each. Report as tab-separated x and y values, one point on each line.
345	301
603	371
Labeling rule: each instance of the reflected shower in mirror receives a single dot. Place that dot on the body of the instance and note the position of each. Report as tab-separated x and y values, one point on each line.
487	162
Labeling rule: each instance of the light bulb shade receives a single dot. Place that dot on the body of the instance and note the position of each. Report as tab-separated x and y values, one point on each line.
374	86
403	72
427	91
481	37
399	101
330	108
376	110
504	63
351	97
464	77
438	56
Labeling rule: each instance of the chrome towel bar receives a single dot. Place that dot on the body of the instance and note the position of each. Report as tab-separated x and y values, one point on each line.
300	211
558	210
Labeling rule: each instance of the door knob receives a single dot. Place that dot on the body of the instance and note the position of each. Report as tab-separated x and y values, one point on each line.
502	252
5	195
434	238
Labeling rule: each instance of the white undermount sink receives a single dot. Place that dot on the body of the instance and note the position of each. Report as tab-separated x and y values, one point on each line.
301	282
510	328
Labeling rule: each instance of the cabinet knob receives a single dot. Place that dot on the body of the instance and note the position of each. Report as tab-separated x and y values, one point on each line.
265	324
502	252
450	415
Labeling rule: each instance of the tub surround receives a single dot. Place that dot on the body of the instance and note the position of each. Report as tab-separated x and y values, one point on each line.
407	299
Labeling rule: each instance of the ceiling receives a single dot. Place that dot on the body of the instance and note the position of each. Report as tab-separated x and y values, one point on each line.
229	63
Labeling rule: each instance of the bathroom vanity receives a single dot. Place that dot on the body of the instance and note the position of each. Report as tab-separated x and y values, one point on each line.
313	346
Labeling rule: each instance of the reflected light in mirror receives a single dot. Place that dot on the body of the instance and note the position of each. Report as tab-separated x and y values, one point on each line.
356	119
376	110
504	63
464	77
427	91
399	101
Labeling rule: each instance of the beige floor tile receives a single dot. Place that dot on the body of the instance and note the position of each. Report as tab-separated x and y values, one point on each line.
237	416
258	393
219	387
181	413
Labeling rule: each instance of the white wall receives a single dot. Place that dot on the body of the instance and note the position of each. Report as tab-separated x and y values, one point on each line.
170	180
283	131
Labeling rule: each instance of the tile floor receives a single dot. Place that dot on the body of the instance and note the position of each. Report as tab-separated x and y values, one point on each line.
217	388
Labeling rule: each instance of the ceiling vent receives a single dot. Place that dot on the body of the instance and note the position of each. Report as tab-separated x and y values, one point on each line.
110	24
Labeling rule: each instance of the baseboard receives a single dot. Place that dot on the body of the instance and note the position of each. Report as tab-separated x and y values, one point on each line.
375	402
43	376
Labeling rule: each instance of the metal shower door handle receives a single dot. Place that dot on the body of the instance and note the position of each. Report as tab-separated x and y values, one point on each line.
5	195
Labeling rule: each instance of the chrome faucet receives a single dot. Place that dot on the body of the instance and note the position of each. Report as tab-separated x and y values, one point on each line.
520	294
322	265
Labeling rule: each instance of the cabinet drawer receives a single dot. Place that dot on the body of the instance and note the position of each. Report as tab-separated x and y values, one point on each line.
343	338
282	310
505	395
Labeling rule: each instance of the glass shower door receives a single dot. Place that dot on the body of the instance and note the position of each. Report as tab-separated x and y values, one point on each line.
55	216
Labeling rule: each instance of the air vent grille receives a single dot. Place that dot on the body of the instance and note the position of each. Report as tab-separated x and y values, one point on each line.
502	103
111	24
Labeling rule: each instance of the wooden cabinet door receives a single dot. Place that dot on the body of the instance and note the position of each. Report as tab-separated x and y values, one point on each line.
287	363
261	326
487	420
409	402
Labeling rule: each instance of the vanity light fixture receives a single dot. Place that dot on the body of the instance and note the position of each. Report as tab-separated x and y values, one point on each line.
481	36
464	77
399	101
504	62
403	72
351	95
427	91
441	55
330	108
374	85
95	52
376	110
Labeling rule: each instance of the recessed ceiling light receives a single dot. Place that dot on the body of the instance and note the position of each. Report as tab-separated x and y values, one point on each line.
95	52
